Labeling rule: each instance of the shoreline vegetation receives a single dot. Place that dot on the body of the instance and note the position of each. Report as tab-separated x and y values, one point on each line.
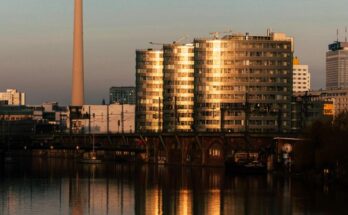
328	157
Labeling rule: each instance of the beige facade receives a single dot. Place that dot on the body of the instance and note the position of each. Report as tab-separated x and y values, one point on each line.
178	80
243	82
149	90
301	77
13	97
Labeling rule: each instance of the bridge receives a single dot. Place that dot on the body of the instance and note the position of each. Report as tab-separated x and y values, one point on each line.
201	149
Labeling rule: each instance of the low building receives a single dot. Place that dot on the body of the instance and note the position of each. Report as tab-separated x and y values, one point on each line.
16	120
122	95
338	97
301	77
13	97
305	109
96	119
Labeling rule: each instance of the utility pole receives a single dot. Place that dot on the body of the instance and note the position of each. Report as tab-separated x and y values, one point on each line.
107	119
175	114
89	119
222	119
159	114
122	117
246	112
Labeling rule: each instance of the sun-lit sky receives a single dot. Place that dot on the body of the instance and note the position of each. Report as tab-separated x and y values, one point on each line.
36	37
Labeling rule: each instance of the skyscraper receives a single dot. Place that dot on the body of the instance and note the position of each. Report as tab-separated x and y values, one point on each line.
337	65
77	95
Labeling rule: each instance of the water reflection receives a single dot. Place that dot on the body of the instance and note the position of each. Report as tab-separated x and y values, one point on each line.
65	187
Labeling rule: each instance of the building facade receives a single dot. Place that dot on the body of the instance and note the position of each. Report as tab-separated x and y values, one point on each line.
306	108
337	65
149	90
301	77
122	95
102	119
13	97
243	83
178	86
339	98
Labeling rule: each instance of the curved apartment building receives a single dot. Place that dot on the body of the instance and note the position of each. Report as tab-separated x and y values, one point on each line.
149	90
178	80
243	83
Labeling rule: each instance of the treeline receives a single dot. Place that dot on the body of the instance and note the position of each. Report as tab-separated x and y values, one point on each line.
329	139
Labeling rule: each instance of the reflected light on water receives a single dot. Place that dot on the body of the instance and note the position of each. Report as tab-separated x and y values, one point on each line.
185	202
60	187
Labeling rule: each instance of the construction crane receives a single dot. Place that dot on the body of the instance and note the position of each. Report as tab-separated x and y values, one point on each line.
216	34
174	42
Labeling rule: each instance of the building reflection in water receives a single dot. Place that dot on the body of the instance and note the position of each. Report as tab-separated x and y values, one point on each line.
64	187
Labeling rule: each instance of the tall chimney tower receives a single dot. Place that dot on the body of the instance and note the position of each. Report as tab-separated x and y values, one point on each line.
77	95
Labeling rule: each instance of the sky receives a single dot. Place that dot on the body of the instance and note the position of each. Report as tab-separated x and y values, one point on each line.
36	37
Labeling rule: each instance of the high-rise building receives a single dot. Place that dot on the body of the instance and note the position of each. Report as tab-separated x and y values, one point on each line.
149	90
301	77
77	95
243	83
122	95
337	65
178	86
13	97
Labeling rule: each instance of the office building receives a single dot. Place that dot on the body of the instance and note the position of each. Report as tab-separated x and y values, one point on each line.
301	77
337	65
149	90
178	86
243	83
12	97
122	95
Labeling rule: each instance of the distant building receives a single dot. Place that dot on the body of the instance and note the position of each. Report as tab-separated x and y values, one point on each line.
339	97
122	95
301	77
337	65
13	97
95	119
16	120
306	108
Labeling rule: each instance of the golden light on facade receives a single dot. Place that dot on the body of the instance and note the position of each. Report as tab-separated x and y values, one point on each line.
149	90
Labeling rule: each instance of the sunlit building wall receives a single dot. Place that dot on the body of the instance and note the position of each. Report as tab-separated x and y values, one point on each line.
13	97
149	90
241	74
178	84
301	77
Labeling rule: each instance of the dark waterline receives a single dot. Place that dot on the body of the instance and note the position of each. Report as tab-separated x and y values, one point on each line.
60	187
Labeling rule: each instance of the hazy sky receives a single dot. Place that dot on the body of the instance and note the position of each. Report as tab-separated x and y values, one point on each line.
36	37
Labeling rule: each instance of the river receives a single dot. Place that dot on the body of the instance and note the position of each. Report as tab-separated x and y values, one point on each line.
61	187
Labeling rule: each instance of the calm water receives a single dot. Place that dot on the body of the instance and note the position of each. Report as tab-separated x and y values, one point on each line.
60	187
